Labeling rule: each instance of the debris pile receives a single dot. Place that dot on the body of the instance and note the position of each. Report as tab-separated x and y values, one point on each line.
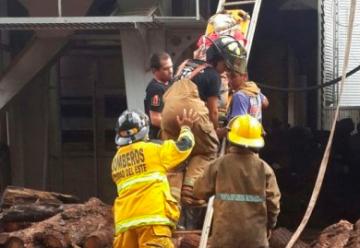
340	235
31	218
279	238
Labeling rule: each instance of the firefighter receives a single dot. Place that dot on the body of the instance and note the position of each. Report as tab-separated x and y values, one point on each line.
144	210
247	197
197	86
162	69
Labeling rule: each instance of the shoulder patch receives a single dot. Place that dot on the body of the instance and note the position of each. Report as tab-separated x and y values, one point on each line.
155	101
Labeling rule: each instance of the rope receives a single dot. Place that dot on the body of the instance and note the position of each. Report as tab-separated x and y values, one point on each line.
326	156
315	87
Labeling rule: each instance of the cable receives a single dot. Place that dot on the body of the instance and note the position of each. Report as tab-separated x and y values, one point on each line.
315	87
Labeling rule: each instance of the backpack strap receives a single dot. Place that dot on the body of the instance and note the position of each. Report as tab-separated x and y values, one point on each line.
180	68
194	72
197	70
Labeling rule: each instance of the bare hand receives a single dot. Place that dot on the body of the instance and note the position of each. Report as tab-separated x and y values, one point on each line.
187	119
269	232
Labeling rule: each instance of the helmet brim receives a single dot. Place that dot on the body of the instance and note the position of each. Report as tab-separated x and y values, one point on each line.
248	143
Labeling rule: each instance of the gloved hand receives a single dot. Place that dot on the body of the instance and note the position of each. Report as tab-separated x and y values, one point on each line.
187	197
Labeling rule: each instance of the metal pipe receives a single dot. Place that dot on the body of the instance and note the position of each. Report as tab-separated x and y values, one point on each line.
94	119
197	10
7	128
45	168
59	142
164	18
59	8
220	6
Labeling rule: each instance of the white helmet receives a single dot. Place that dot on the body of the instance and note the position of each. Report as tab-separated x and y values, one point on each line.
131	126
222	22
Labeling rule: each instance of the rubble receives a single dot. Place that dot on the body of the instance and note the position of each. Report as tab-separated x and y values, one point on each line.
281	236
21	196
340	235
31	218
56	224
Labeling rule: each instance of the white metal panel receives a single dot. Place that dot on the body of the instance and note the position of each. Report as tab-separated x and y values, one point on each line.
333	40
345	112
351	94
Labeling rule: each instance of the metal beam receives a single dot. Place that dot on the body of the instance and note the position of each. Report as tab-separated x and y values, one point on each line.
40	51
31	61
74	23
93	22
238	3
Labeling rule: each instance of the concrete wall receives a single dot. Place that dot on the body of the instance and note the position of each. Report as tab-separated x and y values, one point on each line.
137	48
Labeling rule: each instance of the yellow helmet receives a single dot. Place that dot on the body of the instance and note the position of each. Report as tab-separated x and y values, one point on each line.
246	131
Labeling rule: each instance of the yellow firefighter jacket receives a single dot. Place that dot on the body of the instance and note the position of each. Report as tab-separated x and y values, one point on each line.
139	171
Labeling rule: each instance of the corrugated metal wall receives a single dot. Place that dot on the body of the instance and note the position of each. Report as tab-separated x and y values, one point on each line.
351	94
328	50
335	16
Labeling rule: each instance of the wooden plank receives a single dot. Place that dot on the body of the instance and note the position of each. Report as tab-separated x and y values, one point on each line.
29	213
22	196
67	229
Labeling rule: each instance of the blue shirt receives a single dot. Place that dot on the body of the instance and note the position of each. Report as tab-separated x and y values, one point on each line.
243	104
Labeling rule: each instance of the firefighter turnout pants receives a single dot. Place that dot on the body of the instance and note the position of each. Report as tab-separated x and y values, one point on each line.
146	236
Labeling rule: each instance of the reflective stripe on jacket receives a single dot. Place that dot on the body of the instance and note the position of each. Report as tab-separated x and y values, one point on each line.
139	171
